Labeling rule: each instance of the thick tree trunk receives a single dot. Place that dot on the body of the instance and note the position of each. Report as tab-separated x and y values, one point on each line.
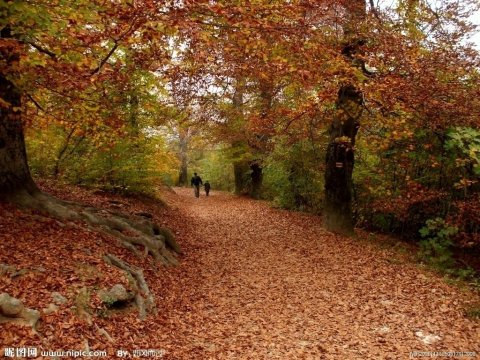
266	103
340	157
340	161
257	180
14	172
183	175
240	169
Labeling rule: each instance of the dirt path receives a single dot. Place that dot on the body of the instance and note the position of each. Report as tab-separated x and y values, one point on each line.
259	283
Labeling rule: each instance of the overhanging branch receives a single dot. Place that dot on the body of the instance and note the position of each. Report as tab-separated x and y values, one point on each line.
105	59
42	49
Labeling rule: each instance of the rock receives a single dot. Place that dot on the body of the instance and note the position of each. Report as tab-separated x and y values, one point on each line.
31	316
51	308
12	310
10	306
59	299
117	293
144	299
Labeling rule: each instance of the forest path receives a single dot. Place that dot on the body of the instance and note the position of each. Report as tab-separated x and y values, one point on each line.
262	283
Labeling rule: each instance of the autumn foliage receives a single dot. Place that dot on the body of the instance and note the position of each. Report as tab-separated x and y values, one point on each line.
126	96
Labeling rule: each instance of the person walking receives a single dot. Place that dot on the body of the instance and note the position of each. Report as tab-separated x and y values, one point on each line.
206	185
196	182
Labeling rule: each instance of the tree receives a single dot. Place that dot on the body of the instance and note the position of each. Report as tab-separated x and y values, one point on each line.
15	174
69	49
343	130
22	54
424	86
298	64
183	148
247	44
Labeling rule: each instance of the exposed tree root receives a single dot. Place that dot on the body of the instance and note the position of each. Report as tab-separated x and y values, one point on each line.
144	299
103	332
130	233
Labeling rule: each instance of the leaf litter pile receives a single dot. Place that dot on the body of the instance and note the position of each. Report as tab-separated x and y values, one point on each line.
253	283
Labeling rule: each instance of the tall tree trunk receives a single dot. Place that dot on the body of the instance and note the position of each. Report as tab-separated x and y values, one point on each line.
340	161
14	172
257	180
266	103
240	167
183	173
62	152
340	157
133	110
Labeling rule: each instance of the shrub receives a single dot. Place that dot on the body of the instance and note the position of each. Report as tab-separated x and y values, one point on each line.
134	164
436	248
292	178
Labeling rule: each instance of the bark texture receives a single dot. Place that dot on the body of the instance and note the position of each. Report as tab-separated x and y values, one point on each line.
14	172
240	170
257	180
183	147
340	161
240	166
340	158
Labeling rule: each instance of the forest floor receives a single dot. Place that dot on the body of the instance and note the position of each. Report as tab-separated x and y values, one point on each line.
253	283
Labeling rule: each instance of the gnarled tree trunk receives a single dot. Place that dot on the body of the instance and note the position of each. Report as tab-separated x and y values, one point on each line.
340	161
14	172
240	169
340	157
17	185
257	180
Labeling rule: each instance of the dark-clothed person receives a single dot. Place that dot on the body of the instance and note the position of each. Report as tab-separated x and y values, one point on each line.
196	182
207	187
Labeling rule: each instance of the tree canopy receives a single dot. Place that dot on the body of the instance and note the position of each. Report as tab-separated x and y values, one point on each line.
262	81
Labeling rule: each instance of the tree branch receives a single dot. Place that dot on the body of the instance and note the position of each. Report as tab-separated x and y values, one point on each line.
105	59
42	49
374	10
37	105
40	107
